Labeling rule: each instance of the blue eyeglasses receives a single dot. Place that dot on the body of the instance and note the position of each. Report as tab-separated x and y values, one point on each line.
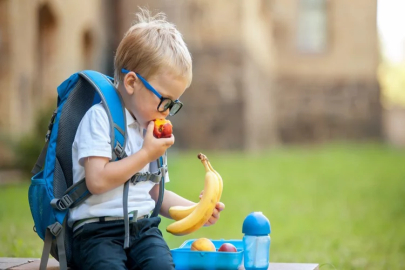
165	103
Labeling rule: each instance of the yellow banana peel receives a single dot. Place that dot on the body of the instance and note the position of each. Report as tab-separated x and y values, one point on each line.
220	182
203	210
180	212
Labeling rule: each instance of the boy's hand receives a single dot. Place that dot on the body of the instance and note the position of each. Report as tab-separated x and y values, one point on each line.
215	214
154	147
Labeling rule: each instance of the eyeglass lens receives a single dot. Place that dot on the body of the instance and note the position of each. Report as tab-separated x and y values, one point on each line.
175	108
165	104
168	104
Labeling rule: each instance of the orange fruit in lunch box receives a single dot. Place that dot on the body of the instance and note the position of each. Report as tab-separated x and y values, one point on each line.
203	244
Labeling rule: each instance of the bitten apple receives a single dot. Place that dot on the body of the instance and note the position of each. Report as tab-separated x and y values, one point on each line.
227	247
163	128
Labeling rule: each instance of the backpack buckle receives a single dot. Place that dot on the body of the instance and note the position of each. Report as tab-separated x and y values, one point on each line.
62	203
139	177
65	201
119	151
55	228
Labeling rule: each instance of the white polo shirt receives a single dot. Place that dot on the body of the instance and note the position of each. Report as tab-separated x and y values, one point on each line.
93	139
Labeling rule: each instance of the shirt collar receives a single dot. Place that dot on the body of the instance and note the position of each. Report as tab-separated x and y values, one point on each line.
130	119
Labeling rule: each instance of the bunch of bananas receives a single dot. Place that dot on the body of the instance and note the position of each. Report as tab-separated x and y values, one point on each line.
191	218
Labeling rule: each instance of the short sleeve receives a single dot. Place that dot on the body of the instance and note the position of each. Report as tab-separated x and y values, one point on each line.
93	134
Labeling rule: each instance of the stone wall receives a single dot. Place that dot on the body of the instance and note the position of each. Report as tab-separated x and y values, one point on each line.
319	111
43	43
351	48
331	93
212	116
5	60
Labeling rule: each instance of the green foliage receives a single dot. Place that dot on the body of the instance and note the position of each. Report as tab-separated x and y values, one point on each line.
27	147
337	205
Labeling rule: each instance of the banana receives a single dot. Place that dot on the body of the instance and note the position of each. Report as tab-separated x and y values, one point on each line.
180	212
203	210
221	183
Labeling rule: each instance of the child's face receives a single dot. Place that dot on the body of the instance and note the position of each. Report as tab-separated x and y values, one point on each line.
143	103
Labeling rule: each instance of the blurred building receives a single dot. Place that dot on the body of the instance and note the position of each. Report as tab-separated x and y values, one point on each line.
265	72
275	71
42	42
328	56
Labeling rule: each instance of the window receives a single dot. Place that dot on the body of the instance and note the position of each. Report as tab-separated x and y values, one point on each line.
312	26
47	34
87	49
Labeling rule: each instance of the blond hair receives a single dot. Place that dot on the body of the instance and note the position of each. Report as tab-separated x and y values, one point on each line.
151	44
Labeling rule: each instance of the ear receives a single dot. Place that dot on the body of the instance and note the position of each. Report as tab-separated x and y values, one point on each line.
130	81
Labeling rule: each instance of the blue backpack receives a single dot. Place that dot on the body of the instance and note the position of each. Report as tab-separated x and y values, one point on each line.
52	192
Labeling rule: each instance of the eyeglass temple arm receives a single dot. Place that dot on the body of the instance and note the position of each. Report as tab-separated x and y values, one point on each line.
147	85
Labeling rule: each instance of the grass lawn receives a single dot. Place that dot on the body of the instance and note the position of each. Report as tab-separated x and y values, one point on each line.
341	206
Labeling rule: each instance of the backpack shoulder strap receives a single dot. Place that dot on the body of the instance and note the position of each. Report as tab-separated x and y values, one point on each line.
162	167
113	104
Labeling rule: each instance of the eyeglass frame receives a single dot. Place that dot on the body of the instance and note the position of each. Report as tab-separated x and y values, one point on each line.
154	91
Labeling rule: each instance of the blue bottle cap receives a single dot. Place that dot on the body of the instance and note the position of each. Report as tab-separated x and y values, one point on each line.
256	224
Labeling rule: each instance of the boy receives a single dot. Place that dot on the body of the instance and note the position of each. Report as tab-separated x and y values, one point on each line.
152	70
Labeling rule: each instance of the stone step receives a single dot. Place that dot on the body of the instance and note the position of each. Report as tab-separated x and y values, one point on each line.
33	264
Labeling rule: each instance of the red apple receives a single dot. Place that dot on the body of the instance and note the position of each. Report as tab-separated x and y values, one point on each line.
227	247
163	128
167	130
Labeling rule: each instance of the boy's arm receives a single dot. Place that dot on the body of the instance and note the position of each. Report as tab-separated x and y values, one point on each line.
102	175
172	199
169	199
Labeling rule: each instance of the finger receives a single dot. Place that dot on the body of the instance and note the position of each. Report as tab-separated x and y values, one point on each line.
167	141
215	213
212	220
220	206
149	129
208	223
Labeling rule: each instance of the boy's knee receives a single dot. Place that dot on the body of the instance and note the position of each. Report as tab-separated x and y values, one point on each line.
156	257
106	264
161	264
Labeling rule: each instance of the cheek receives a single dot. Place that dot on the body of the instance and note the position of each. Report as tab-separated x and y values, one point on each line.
147	108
